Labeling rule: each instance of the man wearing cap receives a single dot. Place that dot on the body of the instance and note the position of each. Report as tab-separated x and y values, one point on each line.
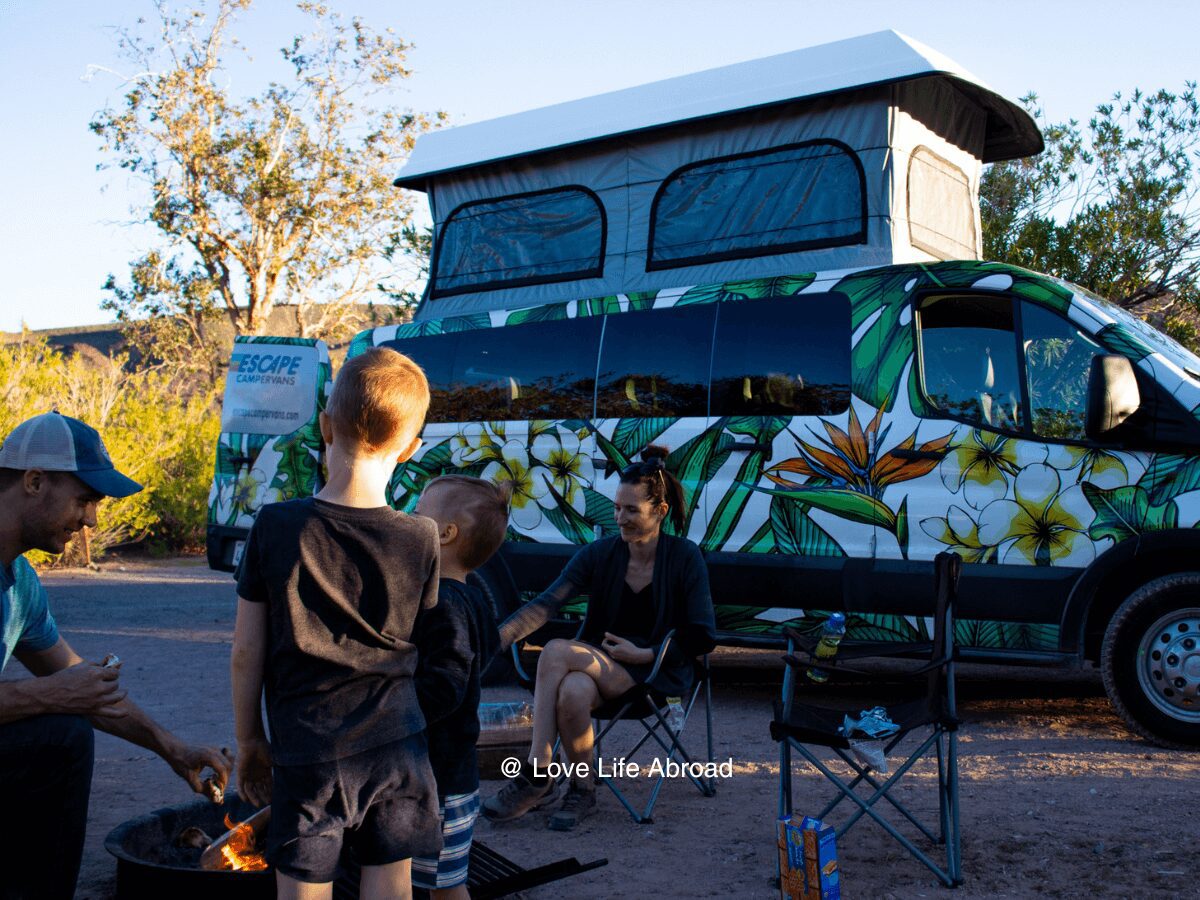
54	470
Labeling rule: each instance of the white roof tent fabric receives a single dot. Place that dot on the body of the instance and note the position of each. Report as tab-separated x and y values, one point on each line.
844	131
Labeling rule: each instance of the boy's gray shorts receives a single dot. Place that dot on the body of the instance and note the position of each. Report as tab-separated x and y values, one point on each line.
381	802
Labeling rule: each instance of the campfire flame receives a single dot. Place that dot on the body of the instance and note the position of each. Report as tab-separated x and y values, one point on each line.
239	851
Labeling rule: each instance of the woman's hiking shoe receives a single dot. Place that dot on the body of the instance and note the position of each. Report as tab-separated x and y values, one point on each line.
519	796
576	806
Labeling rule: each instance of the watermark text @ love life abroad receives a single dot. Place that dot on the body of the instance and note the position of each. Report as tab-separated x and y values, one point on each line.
619	767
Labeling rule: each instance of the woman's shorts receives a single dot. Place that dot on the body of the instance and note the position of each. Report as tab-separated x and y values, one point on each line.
449	868
381	802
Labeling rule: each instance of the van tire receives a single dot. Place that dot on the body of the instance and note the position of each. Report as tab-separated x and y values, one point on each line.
1150	660
495	580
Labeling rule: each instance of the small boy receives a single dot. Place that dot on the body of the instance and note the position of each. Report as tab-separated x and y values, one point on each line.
328	592
455	642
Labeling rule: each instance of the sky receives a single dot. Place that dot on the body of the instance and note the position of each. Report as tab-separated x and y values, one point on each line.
65	226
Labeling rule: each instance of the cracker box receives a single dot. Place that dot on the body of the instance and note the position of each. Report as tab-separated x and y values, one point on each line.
791	860
822	879
808	866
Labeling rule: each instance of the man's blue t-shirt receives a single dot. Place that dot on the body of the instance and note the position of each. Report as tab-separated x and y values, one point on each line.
25	620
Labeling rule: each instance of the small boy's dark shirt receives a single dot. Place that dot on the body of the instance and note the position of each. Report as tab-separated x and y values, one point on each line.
456	641
343	586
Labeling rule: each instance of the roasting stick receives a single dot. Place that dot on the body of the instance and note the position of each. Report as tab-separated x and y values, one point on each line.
214	859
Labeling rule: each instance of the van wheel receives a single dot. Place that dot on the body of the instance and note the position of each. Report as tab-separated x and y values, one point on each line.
1151	661
495	580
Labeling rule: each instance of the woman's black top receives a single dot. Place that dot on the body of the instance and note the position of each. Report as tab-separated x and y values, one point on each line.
681	601
634	620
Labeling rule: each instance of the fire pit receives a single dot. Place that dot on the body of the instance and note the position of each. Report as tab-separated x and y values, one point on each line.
150	863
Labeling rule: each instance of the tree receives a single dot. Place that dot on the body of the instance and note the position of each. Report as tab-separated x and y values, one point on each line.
1110	206
284	197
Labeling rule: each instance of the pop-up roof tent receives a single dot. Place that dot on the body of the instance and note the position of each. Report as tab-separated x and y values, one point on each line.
862	152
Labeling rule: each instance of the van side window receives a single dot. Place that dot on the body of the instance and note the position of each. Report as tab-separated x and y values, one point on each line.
1057	362
785	356
969	359
541	370
435	356
535	238
655	363
799	197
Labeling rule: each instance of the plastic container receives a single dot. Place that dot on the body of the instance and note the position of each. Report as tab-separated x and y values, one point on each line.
832	633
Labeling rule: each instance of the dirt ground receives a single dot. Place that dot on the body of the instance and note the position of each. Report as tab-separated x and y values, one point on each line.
1058	800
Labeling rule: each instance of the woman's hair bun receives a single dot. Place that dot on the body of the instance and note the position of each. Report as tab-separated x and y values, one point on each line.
654	451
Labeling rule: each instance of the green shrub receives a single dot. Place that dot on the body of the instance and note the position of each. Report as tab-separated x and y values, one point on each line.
158	433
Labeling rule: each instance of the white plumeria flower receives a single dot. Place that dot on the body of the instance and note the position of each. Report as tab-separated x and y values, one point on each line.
525	480
247	488
567	467
1100	467
472	445
1044	525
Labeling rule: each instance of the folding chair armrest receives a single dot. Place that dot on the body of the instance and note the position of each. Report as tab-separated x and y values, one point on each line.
662	655
795	640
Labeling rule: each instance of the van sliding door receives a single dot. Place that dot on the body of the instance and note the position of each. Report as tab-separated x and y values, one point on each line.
780	405
652	388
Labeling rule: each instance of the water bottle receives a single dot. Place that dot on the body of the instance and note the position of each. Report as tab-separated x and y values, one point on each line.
675	715
832	633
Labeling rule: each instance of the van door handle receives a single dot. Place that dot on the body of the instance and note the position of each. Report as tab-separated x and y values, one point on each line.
750	448
240	460
901	453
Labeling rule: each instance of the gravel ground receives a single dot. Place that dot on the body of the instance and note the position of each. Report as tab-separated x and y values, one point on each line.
1058	800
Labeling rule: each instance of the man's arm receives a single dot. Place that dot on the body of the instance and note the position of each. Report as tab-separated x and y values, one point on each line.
247	667
62	687
68	684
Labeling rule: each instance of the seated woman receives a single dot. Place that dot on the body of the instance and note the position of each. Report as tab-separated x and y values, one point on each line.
640	584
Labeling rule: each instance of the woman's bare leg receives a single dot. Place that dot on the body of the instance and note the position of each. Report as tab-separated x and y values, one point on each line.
559	659
577	697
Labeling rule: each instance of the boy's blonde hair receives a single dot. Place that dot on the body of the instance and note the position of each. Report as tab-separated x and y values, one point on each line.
480	509
379	400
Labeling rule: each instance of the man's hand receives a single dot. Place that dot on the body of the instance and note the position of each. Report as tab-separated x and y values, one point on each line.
254	771
626	651
83	689
188	762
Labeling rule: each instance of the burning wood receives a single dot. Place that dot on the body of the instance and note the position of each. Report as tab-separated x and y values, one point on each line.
236	848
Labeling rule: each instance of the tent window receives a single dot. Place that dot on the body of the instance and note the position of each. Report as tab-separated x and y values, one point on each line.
541	370
799	197
941	213
535	238
782	356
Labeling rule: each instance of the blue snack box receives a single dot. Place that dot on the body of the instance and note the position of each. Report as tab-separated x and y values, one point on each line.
822	879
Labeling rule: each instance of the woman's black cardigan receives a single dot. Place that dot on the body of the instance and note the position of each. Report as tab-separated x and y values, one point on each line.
682	601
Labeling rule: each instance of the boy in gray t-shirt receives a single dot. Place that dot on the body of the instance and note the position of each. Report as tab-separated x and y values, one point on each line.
329	588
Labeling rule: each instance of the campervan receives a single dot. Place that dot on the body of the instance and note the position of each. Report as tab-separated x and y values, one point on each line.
773	269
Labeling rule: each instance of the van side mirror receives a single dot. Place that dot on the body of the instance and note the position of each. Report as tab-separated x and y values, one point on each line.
1112	394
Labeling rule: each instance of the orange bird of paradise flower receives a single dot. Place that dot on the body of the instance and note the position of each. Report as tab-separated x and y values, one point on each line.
852	459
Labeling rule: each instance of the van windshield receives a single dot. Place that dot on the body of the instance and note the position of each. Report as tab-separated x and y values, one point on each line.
1174	351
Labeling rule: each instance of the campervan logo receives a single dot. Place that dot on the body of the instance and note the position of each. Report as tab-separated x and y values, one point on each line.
265	368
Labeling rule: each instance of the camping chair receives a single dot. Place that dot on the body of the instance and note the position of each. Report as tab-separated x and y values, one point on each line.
645	705
931	705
